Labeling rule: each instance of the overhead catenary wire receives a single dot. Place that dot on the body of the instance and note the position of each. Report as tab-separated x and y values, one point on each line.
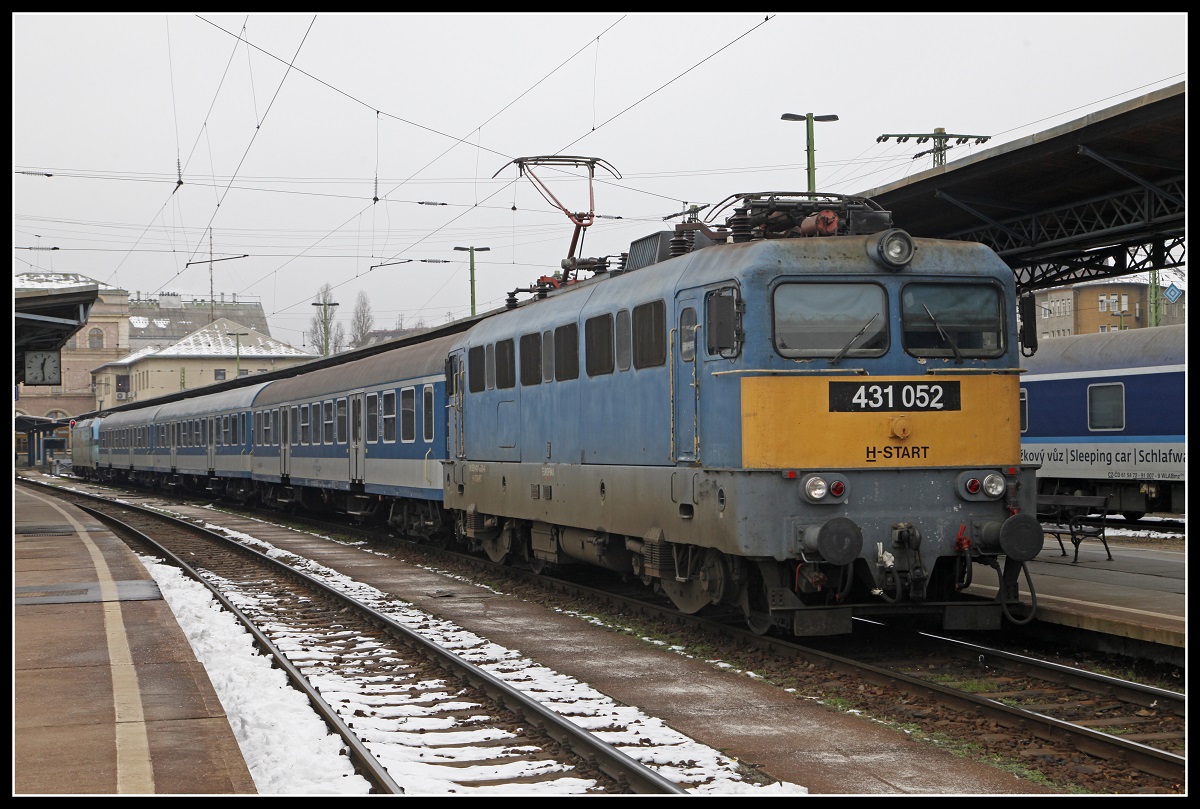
385	236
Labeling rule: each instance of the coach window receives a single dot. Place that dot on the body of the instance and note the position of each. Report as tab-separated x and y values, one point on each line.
1106	406
295	426
624	340
305	435
531	359
952	321
427	412
506	365
226	435
342	434
566	352
372	418
490	366
408	415
598	345
389	416
830	320
548	356
475	376
649	335
687	334
328	420
1024	410
238	425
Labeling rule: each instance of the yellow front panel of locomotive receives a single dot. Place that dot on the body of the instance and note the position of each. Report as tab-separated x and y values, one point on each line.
878	422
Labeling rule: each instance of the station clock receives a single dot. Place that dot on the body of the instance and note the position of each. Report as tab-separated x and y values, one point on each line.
43	368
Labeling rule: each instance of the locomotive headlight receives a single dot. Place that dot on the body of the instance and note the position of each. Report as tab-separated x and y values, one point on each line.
827	489
994	485
981	485
893	249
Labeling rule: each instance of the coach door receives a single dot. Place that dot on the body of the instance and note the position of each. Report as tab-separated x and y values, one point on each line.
210	441
358	447
284	434
454	393
685	390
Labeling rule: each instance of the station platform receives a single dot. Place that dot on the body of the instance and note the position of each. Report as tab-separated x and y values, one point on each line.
108	697
1134	603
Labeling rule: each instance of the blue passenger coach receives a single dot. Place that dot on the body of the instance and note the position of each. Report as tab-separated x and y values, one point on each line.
1104	414
365	435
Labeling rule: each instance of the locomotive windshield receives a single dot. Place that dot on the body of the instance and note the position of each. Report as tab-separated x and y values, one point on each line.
952	320
831	320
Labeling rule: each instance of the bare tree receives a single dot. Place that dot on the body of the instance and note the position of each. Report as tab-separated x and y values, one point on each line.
325	333
362	321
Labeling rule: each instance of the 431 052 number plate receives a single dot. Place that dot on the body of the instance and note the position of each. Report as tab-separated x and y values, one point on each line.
887	397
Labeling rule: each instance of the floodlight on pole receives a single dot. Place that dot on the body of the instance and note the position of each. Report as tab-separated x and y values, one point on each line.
325	324
237	338
473	250
808	118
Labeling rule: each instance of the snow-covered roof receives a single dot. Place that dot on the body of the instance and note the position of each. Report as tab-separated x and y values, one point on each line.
56	280
129	359
224	338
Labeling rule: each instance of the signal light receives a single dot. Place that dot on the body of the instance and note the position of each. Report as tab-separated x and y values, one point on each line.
837	488
973	486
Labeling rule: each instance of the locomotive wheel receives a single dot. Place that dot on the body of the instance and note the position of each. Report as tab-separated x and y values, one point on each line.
753	601
706	586
498	547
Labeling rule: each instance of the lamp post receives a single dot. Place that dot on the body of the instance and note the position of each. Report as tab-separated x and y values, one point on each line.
808	117
325	324
473	249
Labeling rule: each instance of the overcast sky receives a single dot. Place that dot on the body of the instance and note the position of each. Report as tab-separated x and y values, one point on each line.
284	137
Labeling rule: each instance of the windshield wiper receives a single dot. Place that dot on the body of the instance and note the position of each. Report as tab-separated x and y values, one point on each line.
958	357
838	357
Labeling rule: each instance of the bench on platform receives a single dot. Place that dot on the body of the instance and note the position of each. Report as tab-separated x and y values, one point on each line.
1065	515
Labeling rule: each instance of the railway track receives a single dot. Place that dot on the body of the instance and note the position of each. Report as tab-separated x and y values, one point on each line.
1078	725
1077	728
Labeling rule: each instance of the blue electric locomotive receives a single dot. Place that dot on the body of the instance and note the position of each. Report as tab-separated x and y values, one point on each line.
808	427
